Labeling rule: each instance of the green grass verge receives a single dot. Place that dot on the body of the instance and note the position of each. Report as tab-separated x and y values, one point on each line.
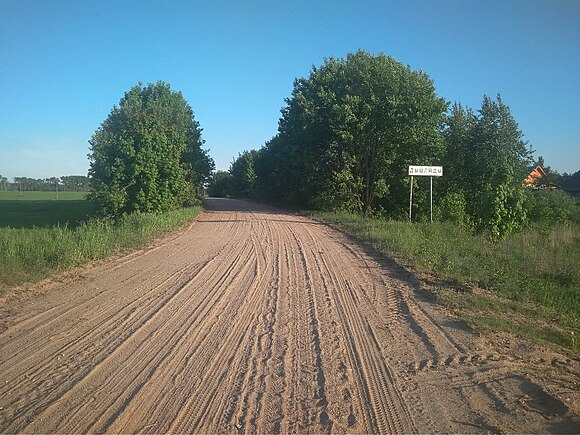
30	254
43	209
535	274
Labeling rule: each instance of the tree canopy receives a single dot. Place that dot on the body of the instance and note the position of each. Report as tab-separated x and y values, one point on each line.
349	130
486	160
243	175
147	155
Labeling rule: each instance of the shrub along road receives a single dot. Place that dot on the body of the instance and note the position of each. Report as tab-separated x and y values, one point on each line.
254	320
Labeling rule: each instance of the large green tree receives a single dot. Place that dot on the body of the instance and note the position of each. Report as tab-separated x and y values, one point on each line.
147	155
243	176
354	125
486	160
457	134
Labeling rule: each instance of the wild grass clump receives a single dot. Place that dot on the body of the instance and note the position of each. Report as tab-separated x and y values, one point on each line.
542	265
537	267
30	254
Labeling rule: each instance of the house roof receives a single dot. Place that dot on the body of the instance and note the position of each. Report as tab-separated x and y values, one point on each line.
536	175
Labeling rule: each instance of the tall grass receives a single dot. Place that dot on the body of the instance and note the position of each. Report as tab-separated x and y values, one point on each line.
540	265
29	254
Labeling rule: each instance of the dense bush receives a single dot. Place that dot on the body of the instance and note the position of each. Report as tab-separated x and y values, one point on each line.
243	176
351	128
485	160
552	207
220	184
147	156
453	208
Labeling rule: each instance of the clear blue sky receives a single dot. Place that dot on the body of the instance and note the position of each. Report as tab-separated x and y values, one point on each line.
64	64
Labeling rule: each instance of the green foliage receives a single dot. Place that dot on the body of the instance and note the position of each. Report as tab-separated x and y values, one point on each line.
552	207
453	208
349	131
570	183
243	176
220	184
457	135
147	156
280	173
75	183
341	192
502	210
353	126
486	160
67	183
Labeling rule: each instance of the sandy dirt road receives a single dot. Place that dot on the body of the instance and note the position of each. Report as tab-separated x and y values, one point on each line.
253	320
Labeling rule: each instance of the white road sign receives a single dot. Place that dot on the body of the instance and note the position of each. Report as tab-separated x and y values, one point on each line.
428	171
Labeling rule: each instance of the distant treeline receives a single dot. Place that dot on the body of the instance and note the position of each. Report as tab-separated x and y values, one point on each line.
66	183
570	183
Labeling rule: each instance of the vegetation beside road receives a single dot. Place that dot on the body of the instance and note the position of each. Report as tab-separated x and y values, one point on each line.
31	250
532	276
147	156
146	176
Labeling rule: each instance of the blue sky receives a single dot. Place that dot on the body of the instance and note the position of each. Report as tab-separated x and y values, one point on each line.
64	64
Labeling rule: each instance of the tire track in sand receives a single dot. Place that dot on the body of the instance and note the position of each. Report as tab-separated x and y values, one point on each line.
250	321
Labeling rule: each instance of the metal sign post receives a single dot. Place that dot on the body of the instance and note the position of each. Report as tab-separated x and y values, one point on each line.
411	199
431	190
426	171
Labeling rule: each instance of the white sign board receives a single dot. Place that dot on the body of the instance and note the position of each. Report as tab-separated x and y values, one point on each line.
428	171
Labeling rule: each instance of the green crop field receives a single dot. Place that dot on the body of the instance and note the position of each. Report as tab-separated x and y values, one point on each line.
43	209
13	195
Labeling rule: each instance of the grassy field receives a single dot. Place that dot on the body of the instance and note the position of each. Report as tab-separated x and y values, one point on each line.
43	209
14	195
40	235
530	281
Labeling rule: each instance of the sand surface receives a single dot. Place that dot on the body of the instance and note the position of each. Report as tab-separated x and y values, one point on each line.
255	320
